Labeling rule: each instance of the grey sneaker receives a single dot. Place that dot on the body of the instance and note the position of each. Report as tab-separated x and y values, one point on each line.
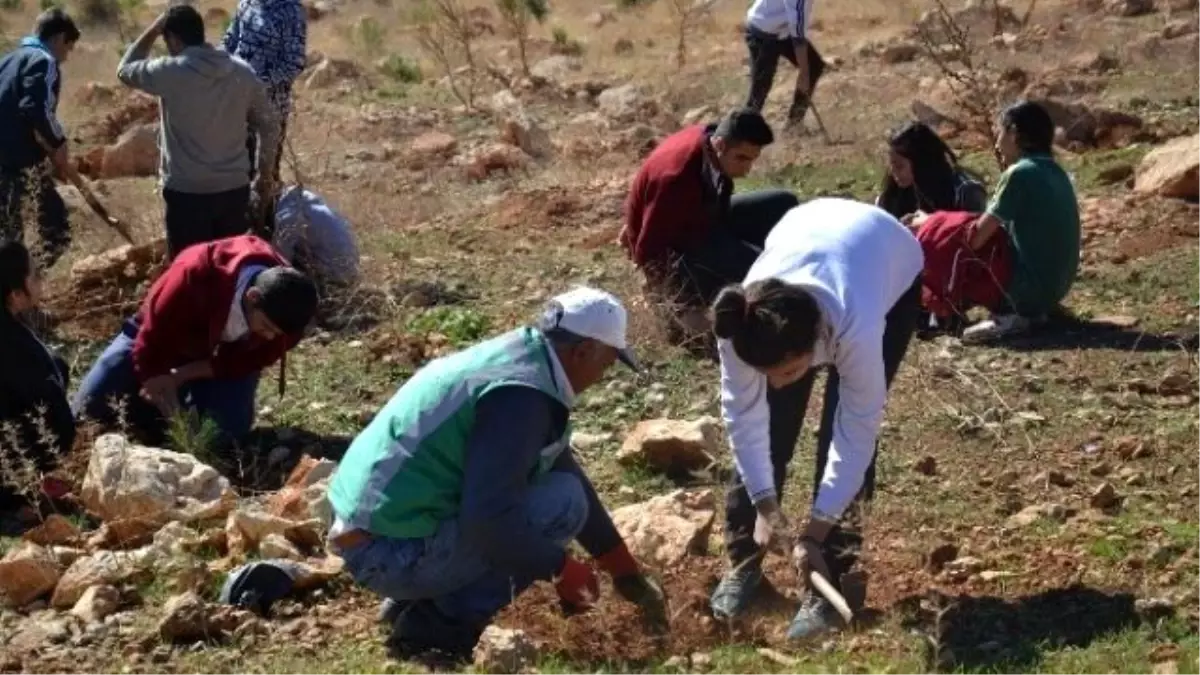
816	617
735	591
998	327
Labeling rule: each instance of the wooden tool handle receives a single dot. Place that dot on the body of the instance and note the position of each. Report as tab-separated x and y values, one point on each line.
831	594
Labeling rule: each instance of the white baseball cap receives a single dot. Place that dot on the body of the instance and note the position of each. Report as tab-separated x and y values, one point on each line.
591	313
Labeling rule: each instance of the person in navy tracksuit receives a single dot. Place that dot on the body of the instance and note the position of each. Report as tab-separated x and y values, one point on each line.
30	133
775	29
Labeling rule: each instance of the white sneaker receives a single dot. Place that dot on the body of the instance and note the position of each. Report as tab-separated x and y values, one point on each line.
1000	325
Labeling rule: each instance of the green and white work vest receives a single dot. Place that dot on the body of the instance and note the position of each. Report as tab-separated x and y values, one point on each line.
403	474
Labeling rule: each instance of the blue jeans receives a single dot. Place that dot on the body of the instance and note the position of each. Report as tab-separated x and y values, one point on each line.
228	403
444	569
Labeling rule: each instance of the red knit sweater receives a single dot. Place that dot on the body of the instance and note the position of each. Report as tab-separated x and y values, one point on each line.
672	203
184	313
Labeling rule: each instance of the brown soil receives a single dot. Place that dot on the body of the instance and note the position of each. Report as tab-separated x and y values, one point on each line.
613	632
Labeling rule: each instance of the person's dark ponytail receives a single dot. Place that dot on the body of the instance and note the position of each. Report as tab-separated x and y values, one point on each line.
768	322
729	312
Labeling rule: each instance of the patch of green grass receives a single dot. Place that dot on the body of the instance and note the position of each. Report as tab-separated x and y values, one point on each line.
857	179
564	43
1147	284
1181	534
1089	168
155	589
461	325
190	433
1110	549
341	379
401	69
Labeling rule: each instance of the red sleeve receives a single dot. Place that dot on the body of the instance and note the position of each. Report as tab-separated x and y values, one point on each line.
176	307
235	360
668	218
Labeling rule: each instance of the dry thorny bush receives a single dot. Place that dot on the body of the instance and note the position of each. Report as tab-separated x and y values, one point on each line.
949	45
445	32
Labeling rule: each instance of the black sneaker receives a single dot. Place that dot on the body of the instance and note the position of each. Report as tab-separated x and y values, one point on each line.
421	630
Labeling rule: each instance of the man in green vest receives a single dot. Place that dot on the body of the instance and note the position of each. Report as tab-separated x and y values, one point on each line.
463	490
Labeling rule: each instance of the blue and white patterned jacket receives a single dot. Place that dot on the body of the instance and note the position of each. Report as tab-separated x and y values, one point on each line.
272	36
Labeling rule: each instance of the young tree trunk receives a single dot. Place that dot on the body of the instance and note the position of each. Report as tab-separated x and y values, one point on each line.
522	44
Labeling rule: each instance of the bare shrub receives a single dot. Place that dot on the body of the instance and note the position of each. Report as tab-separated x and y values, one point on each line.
949	46
18	471
445	32
517	15
122	14
687	14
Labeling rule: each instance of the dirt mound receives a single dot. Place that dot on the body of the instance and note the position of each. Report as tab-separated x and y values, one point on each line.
613	632
551	207
555	207
136	108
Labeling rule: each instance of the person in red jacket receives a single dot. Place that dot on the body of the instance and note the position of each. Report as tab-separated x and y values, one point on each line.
684	227
957	277
220	313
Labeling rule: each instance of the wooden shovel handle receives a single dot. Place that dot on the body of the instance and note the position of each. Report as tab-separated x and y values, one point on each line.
831	594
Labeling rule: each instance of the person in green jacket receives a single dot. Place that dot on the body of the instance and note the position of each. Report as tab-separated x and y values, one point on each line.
1036	208
463	490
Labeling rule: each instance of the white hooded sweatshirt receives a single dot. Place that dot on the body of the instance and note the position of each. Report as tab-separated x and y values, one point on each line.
857	261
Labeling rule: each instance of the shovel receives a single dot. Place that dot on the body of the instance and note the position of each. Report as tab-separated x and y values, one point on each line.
97	207
819	578
88	196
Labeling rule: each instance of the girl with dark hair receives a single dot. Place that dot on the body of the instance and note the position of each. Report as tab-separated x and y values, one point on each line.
836	285
35	415
923	176
1036	208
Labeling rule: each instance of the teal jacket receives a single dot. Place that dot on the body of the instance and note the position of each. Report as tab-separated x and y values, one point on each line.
403	475
463	440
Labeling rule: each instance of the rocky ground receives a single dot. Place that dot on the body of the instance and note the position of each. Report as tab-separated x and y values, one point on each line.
1037	507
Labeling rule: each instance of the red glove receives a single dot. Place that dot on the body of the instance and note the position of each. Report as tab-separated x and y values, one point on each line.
619	562
576	584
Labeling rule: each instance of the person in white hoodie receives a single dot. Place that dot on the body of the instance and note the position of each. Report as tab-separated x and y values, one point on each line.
779	28
209	101
836	285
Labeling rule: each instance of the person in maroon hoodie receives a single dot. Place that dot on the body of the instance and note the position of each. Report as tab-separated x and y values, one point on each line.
684	227
220	313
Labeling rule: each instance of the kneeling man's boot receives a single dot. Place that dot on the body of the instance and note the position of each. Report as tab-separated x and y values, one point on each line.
421	629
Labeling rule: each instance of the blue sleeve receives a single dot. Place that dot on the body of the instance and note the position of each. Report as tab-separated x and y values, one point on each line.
38	103
294	25
599	535
512	425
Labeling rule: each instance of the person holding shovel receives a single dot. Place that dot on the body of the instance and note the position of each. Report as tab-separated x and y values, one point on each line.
31	133
775	29
836	286
464	491
219	315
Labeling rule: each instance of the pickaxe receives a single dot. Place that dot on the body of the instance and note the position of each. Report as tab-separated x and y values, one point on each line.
88	196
